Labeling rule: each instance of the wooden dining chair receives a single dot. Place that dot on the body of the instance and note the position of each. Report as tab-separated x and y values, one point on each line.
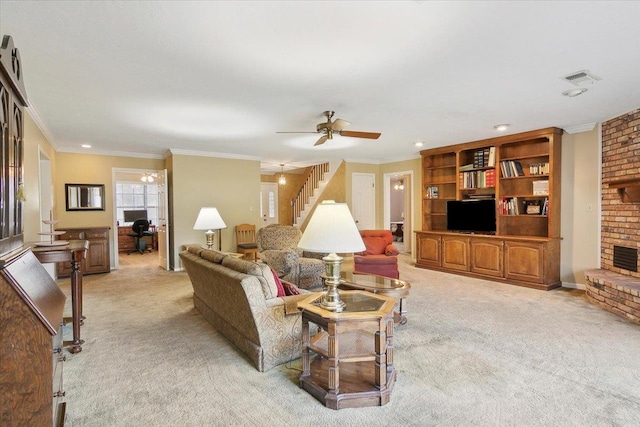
246	241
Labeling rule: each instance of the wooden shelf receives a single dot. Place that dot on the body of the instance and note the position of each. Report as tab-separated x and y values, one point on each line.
525	249
628	189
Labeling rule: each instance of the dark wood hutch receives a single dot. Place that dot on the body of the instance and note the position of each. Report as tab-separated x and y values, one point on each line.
31	304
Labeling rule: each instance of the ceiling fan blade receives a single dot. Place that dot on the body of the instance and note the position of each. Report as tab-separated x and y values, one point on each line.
356	134
294	132
339	124
322	140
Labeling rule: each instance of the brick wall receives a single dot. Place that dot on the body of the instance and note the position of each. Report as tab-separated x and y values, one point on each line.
620	160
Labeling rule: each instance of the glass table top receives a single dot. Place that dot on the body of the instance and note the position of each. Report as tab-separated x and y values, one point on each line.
371	281
357	302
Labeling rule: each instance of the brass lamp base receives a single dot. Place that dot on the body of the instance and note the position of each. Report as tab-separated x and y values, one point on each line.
331	300
210	238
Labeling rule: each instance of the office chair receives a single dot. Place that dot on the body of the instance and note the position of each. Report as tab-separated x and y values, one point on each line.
140	229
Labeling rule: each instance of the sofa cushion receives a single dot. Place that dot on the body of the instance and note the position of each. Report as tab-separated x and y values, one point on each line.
279	286
375	259
290	289
391	250
375	245
260	270
194	249
213	256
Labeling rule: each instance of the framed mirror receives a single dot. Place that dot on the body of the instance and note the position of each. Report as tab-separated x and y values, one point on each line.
84	197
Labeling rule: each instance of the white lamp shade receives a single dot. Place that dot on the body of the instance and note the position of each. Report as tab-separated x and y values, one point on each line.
209	219
331	229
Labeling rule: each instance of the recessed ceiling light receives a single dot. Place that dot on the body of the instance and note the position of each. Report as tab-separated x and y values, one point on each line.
574	92
86	146
419	144
501	128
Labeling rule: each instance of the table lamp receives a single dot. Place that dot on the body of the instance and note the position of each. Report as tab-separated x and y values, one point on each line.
332	229
209	219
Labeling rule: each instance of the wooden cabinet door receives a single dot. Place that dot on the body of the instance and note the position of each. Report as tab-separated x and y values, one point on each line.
524	261
455	252
98	255
486	257
428	246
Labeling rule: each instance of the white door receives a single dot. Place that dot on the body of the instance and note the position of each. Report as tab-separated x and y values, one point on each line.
269	203
162	227
363	200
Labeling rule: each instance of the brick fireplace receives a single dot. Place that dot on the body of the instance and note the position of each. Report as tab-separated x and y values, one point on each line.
616	286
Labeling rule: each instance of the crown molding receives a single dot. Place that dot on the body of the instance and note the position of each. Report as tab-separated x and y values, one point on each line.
580	128
178	151
111	153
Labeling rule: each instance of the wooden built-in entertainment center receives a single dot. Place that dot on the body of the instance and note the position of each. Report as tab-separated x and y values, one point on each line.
521	173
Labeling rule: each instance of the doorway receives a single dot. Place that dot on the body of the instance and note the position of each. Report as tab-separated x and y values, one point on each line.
141	191
399	208
269	203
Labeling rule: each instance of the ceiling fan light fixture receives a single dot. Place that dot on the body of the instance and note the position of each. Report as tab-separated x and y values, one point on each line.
146	177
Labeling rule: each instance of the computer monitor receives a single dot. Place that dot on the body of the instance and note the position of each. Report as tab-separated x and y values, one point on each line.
130	216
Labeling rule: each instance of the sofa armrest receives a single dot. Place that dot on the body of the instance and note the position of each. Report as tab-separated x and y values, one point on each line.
290	303
281	261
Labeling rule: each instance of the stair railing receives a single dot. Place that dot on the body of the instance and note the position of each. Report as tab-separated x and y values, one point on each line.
311	183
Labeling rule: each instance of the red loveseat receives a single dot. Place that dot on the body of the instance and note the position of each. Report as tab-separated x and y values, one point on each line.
380	256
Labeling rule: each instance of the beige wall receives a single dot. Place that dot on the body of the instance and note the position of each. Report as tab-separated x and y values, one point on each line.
92	169
237	185
580	190
232	186
34	142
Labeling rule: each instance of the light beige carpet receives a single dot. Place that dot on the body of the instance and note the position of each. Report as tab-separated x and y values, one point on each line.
474	353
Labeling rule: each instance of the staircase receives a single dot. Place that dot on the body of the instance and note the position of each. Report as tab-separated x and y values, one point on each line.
308	195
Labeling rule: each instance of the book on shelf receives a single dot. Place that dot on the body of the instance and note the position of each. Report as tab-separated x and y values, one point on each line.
478	179
539	168
511	206
511	168
491	162
467	167
541	188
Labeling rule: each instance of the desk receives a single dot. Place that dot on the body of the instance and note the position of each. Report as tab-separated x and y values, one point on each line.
74	253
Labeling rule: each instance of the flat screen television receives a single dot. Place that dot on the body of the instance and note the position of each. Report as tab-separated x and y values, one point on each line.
471	216
130	216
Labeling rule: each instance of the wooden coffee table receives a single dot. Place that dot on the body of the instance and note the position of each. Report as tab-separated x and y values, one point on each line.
399	289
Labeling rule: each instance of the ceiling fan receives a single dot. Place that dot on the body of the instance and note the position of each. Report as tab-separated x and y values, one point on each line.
328	128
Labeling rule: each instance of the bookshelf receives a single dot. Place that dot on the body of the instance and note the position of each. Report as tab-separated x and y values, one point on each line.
521	173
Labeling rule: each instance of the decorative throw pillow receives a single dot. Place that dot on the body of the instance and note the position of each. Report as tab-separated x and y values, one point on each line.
290	288
391	250
374	245
279	285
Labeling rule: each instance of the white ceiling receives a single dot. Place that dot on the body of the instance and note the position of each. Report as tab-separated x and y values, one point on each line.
142	77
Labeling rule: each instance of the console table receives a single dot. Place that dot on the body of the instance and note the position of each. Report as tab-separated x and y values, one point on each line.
353	363
74	253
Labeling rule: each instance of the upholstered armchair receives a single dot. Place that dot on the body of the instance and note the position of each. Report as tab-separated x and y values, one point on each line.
380	257
278	248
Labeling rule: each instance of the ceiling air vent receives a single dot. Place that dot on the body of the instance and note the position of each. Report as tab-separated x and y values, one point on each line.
581	78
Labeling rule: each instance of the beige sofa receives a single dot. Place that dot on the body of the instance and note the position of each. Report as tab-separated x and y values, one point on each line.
239	298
